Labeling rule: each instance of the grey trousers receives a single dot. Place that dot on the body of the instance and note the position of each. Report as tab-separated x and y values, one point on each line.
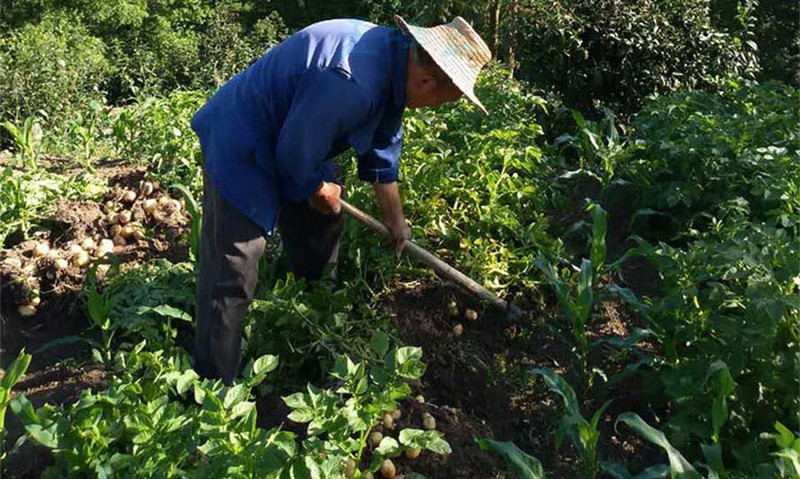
231	246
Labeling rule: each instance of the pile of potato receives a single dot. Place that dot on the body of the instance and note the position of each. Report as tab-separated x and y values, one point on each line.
125	214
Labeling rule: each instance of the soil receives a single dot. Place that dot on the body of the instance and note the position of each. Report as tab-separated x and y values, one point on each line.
477	383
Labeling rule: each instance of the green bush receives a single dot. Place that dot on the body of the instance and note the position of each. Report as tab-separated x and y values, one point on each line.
620	51
706	153
50	66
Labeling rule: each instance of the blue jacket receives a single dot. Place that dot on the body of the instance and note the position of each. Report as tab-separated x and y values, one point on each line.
270	134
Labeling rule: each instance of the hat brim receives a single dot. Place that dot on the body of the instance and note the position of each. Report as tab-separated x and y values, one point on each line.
422	40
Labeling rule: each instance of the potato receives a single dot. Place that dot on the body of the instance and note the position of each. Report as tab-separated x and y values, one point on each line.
458	329
164	200
413	452
129	196
388	470
81	259
41	249
397	414
127	231
74	249
106	246
115	230
112	218
348	468
150	205
119	241
428	421
110	206
147	188
138	235
452	308
471	315
124	217
26	310
375	438
36	301
88	243
61	263
13	262
420	398
388	421
368	475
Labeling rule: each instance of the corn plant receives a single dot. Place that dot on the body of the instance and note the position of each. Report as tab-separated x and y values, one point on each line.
788	455
11	377
27	137
583	434
679	467
525	465
578	304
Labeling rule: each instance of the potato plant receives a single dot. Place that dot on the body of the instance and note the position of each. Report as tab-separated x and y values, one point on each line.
341	420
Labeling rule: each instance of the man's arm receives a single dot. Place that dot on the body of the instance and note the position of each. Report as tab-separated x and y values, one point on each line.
388	197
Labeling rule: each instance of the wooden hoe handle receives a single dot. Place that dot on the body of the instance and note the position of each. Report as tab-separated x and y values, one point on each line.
424	256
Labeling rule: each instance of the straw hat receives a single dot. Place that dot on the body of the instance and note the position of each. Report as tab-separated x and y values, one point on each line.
456	48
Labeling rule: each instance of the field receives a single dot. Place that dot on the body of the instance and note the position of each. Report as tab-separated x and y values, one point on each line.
656	258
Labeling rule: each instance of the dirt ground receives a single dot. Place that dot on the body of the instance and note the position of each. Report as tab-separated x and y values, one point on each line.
477	384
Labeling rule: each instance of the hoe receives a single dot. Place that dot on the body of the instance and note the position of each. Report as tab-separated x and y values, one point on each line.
512	314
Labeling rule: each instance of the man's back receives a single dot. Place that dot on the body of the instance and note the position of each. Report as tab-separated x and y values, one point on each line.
240	127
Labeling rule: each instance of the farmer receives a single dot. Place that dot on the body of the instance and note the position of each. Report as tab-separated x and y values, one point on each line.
269	136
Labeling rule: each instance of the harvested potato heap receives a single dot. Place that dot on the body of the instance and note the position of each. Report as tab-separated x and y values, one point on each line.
127	212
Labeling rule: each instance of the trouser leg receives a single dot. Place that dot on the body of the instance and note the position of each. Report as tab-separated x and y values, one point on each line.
230	248
310	238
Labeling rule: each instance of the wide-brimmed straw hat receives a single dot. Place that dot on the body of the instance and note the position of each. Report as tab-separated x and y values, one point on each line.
456	48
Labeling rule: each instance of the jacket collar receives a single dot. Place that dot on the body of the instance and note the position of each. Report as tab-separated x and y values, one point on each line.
399	68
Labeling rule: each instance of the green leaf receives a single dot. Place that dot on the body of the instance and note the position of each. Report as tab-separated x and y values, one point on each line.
296	400
165	310
559	385
713	455
680	468
234	395
301	415
379	342
430	440
388	447
265	364
599	228
585	293
526	466
15	372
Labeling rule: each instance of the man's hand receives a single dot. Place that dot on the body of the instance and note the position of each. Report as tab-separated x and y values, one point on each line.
326	199
401	233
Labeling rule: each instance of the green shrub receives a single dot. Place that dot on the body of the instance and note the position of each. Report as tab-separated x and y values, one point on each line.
620	51
708	154
50	66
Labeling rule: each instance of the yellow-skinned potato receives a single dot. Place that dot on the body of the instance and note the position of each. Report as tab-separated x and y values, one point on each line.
41	249
388	421
428	421
388	471
413	453
375	438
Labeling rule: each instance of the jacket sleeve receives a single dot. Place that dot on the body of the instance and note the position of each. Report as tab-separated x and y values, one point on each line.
378	150
326	106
